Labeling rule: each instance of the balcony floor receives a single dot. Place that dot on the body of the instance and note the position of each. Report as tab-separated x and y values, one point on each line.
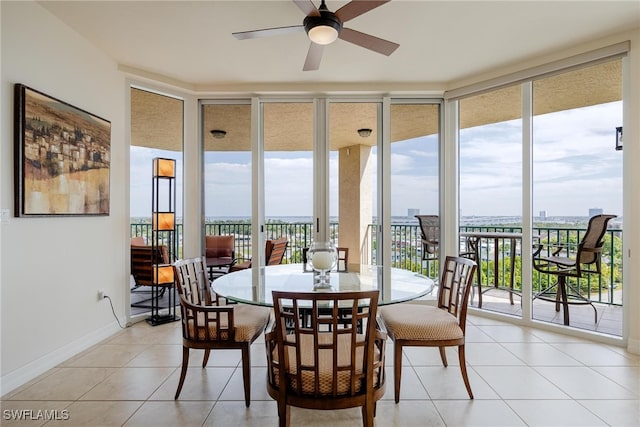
580	316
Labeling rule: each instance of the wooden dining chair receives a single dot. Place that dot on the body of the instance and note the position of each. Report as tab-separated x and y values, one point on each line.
433	326
326	364
207	325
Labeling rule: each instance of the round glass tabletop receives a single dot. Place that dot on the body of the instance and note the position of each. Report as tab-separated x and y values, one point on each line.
254	287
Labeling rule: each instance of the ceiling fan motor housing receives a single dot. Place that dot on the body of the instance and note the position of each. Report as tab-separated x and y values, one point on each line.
326	19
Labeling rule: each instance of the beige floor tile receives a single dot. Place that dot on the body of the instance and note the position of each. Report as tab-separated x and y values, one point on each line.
234	389
107	355
618	413
488	354
199	384
98	413
509	333
447	383
462	413
171	414
129	384
476	334
429	356
540	354
236	414
160	355
585	383
593	354
626	376
519	382
65	384
407	413
411	388
28	384
554	413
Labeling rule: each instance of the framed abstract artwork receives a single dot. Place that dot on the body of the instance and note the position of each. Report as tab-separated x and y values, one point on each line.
61	157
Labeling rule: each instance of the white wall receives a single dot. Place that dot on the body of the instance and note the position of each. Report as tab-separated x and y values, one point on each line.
52	267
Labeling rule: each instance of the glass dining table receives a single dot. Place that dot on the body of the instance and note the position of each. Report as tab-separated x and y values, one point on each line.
254	286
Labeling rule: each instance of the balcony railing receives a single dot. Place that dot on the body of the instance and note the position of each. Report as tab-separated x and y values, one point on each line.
407	252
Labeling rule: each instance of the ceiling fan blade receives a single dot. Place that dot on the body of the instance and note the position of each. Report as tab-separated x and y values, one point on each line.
313	57
243	35
368	41
356	8
307	7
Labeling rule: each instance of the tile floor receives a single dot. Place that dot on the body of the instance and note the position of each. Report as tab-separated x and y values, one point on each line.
520	377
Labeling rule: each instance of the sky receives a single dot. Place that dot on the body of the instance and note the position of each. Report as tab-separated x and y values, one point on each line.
575	168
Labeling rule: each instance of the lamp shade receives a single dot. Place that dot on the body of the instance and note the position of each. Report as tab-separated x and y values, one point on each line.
165	168
163	221
162	274
323	34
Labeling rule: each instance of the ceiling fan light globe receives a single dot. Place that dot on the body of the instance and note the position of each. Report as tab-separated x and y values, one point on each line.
323	34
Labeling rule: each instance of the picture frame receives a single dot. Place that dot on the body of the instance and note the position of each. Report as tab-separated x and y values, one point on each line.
61	157
619	138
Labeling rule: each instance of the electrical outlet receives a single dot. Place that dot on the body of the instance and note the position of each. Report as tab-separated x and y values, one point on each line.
4	216
100	294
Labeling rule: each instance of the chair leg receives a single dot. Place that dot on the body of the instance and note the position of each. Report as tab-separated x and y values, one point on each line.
397	369
205	358
443	356
562	288
284	413
246	373
367	414
183	371
463	369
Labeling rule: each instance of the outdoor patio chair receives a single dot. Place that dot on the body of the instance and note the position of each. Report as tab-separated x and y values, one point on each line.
430	236
207	325
547	259
327	364
439	326
143	258
274	253
220	253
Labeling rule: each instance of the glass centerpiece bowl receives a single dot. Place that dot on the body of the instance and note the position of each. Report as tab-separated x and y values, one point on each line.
322	257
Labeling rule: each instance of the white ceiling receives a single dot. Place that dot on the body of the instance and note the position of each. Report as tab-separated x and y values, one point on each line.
440	41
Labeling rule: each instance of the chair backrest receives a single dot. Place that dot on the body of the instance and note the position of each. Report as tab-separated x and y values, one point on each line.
320	355
219	246
138	241
592	241
455	287
274	251
143	259
191	281
430	231
343	259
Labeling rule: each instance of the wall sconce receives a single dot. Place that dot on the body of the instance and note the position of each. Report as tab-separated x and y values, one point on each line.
364	132
619	138
218	134
164	168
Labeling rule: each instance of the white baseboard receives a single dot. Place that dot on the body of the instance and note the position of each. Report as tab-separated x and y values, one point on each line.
26	373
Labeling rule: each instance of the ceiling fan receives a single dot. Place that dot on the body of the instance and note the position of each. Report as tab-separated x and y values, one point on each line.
323	27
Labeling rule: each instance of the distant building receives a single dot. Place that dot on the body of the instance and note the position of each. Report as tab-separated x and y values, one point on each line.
543	214
413	212
595	211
